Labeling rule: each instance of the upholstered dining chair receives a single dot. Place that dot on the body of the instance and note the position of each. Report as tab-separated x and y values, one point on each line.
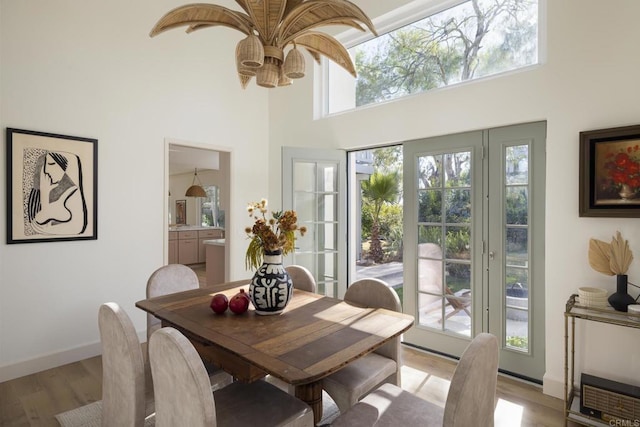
302	278
170	279
184	398
351	383
124	401
470	401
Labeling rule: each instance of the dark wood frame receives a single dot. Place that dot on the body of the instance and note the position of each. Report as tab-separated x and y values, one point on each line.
23	149
596	197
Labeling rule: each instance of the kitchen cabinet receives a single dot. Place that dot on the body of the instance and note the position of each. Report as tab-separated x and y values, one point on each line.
173	247
188	247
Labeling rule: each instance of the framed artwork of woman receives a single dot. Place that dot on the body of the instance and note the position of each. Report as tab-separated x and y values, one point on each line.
51	187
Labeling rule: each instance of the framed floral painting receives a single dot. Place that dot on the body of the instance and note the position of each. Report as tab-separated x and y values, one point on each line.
610	172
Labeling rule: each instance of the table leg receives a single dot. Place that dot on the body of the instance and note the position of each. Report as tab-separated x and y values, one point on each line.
311	394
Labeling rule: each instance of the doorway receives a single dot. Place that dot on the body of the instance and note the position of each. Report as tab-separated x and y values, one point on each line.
212	165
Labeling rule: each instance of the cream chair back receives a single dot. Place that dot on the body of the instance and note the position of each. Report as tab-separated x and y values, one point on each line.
376	293
472	393
302	278
123	377
168	279
181	384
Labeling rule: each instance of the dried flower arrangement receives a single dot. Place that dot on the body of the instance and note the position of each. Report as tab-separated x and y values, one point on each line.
270	235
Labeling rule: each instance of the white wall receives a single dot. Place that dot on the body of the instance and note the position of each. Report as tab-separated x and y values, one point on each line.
88	68
589	81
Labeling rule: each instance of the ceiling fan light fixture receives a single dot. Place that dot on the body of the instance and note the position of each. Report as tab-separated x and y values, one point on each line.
270	26
244	70
250	52
283	80
294	64
268	75
244	80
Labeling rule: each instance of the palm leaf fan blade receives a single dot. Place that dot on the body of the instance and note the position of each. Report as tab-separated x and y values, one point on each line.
309	25
266	15
599	256
243	5
313	13
621	255
275	13
326	45
290	5
194	15
315	55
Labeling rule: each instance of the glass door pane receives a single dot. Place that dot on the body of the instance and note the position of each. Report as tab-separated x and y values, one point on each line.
314	184
516	235
444	220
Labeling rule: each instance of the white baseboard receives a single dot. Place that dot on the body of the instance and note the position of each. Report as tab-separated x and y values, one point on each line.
53	360
553	386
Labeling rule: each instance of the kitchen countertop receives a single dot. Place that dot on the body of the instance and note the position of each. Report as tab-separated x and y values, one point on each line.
214	242
192	228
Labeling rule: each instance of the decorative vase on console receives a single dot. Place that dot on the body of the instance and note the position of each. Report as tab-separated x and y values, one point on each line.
271	287
621	299
613	259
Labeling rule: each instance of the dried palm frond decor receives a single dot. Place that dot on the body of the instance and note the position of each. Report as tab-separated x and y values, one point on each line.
271	26
613	259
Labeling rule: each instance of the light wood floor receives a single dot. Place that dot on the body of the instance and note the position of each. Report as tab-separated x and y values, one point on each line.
33	400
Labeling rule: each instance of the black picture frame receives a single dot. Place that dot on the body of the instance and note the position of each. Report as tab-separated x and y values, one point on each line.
610	172
52	187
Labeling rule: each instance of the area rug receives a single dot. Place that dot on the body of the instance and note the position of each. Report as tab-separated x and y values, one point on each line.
90	415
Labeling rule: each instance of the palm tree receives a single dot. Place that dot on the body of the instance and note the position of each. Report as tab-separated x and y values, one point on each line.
381	188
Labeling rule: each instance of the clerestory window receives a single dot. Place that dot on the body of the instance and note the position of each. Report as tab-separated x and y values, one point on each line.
473	39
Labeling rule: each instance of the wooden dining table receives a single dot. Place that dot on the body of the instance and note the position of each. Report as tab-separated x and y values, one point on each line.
314	336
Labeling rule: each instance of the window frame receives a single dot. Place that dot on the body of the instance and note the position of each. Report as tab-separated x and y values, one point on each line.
393	20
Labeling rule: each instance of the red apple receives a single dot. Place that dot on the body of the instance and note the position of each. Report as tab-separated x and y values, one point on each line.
239	303
219	303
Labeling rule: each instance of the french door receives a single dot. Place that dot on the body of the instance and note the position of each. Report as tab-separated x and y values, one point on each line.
313	183
474	242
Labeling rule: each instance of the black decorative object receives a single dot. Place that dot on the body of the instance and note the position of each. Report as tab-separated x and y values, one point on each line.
271	287
621	299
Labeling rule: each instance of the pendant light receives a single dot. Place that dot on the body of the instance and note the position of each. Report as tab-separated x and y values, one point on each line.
195	190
